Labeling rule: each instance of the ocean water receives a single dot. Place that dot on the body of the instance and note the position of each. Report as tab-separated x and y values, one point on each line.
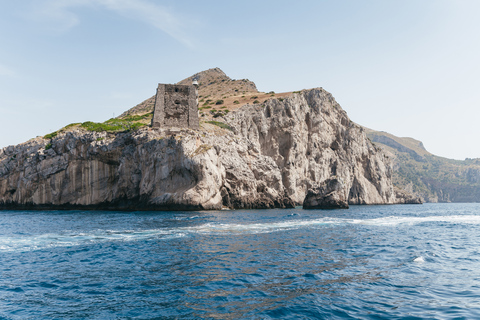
369	262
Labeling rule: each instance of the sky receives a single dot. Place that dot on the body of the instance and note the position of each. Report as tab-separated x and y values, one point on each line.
408	67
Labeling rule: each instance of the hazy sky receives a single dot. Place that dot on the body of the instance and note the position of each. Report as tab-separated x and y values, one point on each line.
408	67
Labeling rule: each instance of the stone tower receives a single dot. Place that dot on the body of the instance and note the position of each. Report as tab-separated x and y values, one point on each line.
176	106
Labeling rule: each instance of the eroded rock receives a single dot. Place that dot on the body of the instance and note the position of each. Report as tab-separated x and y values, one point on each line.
329	195
274	154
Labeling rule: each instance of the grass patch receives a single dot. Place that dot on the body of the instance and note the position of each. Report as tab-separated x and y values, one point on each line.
50	135
112	125
48	146
137	117
221	125
55	133
201	149
72	125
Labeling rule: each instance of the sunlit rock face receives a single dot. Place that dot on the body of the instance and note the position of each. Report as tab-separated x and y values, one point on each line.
274	153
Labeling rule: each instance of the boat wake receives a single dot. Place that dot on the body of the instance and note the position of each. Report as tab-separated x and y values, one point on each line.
69	238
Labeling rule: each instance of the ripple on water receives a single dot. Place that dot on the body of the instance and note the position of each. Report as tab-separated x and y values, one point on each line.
370	262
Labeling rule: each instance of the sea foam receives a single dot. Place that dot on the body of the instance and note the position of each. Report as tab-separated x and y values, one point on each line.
47	240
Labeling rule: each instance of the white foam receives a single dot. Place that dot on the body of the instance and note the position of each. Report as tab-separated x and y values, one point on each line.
419	259
34	242
393	220
42	241
296	224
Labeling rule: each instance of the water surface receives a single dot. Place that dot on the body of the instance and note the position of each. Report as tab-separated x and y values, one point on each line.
369	262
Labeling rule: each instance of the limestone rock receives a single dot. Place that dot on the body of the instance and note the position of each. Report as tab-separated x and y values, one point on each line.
274	153
330	195
406	197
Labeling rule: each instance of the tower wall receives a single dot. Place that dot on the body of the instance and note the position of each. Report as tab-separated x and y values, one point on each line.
175	107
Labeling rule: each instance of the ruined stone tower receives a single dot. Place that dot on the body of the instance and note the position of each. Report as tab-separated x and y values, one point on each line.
175	107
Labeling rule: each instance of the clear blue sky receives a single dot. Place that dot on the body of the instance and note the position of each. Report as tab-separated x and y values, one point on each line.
408	67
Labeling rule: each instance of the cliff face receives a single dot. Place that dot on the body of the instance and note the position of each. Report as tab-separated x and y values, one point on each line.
306	139
274	153
433	178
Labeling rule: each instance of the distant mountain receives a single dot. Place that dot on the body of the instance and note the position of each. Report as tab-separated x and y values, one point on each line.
434	178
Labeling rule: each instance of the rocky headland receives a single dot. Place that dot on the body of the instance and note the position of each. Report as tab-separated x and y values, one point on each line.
430	177
291	149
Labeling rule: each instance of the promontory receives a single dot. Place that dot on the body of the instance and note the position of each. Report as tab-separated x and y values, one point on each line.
240	149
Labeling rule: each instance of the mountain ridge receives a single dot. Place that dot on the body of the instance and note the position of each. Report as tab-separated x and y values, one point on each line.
434	178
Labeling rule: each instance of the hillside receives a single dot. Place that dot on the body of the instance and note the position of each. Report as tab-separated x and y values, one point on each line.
434	178
264	150
218	95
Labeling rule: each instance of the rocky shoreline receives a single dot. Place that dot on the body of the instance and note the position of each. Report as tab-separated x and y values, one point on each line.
267	155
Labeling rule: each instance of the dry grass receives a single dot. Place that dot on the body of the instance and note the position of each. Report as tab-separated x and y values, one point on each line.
214	85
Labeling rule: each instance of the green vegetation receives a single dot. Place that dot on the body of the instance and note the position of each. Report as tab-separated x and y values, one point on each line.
201	149
219	102
218	113
431	177
55	133
137	117
72	125
100	138
256	102
112	125
48	146
50	135
236	102
221	125
128	123
254	97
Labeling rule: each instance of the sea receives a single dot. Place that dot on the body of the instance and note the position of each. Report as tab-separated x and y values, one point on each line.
368	262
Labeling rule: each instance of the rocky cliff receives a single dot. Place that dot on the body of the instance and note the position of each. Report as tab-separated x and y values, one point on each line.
260	156
433	178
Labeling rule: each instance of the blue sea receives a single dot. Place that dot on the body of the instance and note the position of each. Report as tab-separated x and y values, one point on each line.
368	262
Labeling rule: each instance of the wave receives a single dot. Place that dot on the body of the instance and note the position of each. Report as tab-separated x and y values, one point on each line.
43	241
48	240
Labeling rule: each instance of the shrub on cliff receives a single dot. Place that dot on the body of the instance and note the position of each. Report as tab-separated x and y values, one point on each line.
221	125
50	135
112	125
